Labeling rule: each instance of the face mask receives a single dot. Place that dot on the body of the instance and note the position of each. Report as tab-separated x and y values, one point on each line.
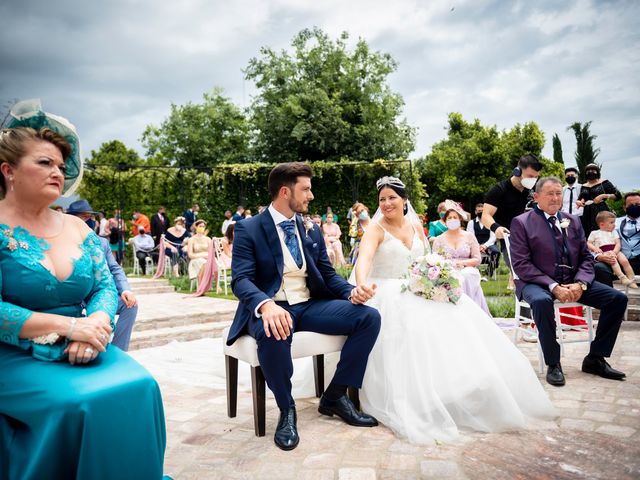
479	214
570	180
141	232
591	175
90	223
441	214
363	215
634	210
528	183
453	224
200	229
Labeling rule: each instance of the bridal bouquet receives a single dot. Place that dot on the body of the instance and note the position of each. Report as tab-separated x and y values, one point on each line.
434	277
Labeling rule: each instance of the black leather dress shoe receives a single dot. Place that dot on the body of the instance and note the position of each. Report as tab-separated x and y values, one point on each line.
555	376
286	436
599	366
344	409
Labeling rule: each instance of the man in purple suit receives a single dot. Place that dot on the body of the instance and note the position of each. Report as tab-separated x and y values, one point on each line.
549	253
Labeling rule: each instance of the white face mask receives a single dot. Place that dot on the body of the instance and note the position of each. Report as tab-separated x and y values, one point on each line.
528	183
453	224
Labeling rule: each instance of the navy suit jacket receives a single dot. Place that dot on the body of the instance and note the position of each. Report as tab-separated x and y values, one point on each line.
257	265
533	250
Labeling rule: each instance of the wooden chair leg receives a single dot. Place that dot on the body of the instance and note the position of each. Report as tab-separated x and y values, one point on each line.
231	365
354	397
318	373
259	400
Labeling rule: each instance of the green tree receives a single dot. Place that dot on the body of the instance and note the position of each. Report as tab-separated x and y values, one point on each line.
557	149
200	135
585	153
324	102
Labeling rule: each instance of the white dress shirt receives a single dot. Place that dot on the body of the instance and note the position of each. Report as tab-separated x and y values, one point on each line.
566	195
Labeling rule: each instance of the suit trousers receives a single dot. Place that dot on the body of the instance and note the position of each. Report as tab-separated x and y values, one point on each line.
361	324
124	325
612	305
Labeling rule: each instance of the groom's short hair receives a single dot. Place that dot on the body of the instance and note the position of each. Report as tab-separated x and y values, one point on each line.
286	175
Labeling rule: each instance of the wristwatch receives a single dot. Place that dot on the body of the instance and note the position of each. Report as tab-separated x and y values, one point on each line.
582	285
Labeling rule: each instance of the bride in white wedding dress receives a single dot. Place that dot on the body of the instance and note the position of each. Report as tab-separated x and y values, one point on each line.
436	367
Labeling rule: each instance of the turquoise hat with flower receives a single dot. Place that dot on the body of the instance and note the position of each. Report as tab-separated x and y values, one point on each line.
29	113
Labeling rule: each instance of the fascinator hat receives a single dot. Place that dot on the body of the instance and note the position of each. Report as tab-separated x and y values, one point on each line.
451	205
29	113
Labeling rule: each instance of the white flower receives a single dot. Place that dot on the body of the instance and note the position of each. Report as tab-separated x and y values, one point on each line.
564	223
308	225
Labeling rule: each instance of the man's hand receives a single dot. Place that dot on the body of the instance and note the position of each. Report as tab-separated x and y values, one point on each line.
483	248
501	232
562	293
276	320
608	259
362	294
129	298
576	291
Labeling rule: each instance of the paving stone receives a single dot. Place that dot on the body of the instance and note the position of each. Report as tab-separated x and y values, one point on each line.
356	474
577	424
438	469
616	430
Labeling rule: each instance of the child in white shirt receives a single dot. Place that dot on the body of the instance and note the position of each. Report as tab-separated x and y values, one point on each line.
606	241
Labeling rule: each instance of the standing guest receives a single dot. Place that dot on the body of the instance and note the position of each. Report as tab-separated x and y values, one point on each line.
508	199
361	225
117	229
159	224
463	249
227	221
571	192
247	214
127	303
198	250
486	239
549	254
190	217
144	248
67	397
139	220
629	230
593	197
175	238
239	214
331	233
103	225
438	227
330	213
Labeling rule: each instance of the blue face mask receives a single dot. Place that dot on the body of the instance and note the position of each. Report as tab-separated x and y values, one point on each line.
91	223
363	215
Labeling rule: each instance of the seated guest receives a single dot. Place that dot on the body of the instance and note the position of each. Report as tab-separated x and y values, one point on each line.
71	404
247	214
127	303
175	239
606	241
628	228
198	250
437	227
549	254
486	239
462	247
331	232
227	221
144	248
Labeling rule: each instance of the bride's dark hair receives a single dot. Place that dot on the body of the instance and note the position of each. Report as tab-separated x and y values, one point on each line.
396	185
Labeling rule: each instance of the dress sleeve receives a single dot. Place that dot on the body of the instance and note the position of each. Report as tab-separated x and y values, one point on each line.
12	317
103	296
475	248
610	188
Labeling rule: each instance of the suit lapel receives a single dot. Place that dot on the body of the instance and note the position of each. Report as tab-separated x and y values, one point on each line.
273	240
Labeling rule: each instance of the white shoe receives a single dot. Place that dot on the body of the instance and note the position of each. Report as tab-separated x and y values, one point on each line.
530	337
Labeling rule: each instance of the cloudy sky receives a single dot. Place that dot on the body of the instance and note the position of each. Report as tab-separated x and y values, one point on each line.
114	67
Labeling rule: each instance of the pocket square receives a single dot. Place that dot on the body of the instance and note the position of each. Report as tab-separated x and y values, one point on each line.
315	245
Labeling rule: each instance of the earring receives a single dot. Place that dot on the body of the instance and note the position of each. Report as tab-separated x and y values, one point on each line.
11	180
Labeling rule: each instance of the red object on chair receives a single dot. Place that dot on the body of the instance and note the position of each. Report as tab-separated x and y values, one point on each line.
569	320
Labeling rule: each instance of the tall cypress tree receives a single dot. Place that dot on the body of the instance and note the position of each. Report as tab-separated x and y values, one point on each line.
585	153
557	149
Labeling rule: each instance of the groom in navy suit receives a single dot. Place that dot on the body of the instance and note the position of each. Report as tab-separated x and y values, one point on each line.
549	253
284	280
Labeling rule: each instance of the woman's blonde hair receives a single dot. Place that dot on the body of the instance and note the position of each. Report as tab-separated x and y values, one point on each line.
13	143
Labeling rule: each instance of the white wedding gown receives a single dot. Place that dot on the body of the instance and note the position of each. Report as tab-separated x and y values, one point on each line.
437	367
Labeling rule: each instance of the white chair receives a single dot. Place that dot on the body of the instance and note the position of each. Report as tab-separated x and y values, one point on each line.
523	324
304	344
136	262
626	292
223	272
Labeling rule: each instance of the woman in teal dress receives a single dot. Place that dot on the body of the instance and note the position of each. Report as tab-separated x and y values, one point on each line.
438	227
71	404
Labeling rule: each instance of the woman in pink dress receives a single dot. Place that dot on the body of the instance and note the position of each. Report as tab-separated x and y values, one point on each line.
331	232
463	248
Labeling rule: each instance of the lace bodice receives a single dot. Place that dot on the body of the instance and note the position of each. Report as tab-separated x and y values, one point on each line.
26	286
392	259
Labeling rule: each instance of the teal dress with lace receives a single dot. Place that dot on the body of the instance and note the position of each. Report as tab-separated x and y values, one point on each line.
103	420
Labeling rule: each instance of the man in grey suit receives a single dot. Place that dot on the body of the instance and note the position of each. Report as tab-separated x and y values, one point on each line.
127	302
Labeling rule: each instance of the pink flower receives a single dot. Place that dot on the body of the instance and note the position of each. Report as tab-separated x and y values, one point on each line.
434	273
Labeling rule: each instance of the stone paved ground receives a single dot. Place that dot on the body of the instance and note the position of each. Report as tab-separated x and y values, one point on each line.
597	434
